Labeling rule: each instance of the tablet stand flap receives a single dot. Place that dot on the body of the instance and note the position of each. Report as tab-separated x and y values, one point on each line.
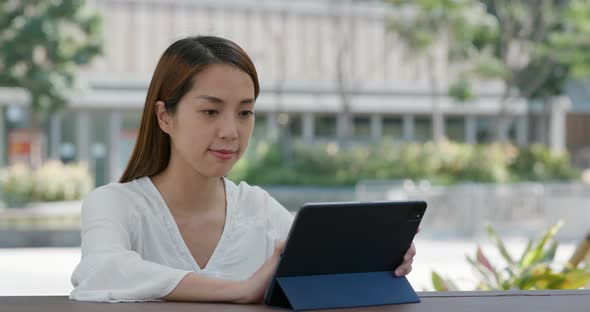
346	290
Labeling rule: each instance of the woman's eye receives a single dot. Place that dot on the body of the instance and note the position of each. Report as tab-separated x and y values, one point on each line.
246	113
210	112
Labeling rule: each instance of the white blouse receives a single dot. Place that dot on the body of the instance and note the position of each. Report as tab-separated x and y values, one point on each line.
132	249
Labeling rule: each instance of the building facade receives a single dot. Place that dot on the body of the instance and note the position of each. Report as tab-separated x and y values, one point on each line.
310	56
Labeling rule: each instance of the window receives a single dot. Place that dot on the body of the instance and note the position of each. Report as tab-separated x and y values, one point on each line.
325	126
423	129
455	128
295	125
393	127
512	130
68	149
484	129
130	122
361	126
100	144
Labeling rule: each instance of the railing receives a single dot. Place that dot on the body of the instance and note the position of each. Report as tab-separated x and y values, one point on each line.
520	209
48	224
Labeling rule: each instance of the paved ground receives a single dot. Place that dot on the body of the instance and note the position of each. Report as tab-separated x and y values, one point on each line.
46	271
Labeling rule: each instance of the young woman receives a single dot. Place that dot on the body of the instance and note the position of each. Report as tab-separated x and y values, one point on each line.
174	228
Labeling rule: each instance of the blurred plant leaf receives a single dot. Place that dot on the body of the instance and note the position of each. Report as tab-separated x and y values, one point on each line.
499	244
489	278
525	252
483	260
533	270
440	284
576	279
549	255
537	253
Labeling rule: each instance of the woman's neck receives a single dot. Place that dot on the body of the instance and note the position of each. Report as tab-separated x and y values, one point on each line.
188	192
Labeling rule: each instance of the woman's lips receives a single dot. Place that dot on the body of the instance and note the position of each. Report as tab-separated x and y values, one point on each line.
223	154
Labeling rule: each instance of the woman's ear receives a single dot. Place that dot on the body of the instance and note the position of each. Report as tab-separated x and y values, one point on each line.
164	118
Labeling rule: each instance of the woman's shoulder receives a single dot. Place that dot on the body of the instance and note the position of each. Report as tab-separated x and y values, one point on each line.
251	198
246	192
116	189
257	204
118	195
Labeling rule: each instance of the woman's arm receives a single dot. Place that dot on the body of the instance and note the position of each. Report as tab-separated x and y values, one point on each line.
195	287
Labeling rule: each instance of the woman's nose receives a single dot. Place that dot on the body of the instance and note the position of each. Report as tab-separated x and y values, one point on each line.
228	128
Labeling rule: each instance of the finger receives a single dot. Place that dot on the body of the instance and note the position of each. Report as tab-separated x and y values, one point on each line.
403	271
406	264
404	268
418	231
411	252
407	271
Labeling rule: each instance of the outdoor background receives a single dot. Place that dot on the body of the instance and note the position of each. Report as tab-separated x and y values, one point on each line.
481	108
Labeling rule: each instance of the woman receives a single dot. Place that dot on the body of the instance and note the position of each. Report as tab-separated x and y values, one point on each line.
174	228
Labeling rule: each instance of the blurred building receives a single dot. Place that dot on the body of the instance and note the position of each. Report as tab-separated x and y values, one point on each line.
578	123
300	48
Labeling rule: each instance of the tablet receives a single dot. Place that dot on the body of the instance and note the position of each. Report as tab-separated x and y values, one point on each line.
347	237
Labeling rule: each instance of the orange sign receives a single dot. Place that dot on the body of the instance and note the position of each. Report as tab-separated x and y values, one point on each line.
23	146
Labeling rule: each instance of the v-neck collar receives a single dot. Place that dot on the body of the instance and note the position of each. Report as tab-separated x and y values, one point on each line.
174	230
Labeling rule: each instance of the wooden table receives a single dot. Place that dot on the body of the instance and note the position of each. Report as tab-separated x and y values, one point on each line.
493	301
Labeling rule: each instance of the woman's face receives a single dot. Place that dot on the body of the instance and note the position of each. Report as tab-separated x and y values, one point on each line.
213	122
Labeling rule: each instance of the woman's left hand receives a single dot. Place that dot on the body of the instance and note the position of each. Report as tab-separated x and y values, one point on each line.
406	267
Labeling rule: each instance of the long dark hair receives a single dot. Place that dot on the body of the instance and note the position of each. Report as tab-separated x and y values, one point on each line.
173	78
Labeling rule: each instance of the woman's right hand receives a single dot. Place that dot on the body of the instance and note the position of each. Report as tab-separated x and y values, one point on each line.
254	287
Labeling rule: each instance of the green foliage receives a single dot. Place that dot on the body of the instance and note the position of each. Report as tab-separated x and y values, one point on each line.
571	43
487	66
461	90
443	163
53	181
41	45
464	24
16	183
534	47
549	38
539	164
534	269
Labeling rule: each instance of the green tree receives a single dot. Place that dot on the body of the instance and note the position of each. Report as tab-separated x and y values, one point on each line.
42	43
528	63
571	41
427	25
532	46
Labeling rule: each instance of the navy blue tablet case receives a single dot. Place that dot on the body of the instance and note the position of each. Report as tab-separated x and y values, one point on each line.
341	255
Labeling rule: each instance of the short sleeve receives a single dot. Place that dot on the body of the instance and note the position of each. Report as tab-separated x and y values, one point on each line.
110	271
